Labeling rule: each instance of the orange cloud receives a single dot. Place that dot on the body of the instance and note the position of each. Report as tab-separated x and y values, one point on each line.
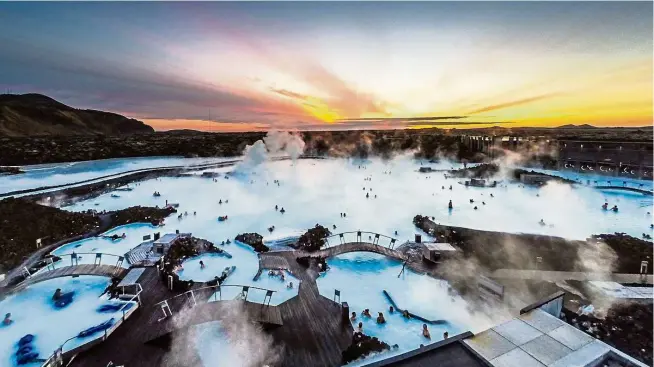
518	102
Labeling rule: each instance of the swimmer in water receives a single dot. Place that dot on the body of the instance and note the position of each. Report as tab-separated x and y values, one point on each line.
425	331
542	222
605	206
7	319
202	264
449	205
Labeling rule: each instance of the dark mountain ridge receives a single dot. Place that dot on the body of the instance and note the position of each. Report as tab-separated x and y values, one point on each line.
23	115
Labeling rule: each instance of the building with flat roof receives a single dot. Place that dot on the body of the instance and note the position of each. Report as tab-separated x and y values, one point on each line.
536	338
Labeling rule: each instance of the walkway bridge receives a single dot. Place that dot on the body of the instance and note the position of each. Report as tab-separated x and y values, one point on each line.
356	241
56	270
625	188
209	304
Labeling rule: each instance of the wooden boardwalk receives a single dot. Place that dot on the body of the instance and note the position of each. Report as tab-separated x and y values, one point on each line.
625	188
267	316
311	335
553	276
74	270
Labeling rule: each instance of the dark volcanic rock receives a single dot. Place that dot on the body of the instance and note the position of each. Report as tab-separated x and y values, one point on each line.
23	222
141	214
626	326
253	239
485	170
313	239
496	250
362	346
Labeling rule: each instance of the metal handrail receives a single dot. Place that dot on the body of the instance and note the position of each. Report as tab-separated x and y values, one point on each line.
216	288
360	234
56	358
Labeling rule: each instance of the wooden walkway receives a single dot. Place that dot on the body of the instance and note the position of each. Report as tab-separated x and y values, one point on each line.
267	316
358	246
312	333
74	270
625	188
553	276
267	261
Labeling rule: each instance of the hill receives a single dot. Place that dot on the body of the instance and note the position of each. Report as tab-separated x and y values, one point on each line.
36	115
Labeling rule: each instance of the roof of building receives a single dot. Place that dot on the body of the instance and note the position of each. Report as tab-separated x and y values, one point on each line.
167	239
439	246
539	339
448	352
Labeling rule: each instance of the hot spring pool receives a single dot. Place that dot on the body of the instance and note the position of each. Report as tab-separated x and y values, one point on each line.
33	312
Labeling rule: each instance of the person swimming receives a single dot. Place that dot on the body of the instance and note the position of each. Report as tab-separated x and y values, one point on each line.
354	316
276	207
475	208
57	294
471	201
615	208
7	319
542	222
359	329
391	309
220	201
290	285
425	331
445	335
380	319
202	264
605	206
449	205
406	314
367	196
282	210
366	313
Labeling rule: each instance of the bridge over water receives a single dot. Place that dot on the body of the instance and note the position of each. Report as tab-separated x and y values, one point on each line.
357	241
55	270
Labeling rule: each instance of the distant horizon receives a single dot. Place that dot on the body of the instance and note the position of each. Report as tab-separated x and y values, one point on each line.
252	66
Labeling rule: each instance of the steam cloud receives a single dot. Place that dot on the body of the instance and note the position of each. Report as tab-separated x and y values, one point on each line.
275	143
242	343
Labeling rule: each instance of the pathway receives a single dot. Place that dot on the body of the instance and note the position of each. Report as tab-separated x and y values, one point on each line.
553	276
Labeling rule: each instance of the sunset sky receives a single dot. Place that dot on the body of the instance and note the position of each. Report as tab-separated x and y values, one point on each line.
333	65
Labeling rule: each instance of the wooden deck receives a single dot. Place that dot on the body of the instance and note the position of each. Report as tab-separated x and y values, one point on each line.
311	335
74	270
267	316
125	345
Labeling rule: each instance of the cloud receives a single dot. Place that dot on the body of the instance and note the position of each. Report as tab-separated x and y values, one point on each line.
518	102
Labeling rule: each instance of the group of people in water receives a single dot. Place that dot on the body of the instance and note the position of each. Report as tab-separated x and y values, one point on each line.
280	210
605	206
382	320
280	273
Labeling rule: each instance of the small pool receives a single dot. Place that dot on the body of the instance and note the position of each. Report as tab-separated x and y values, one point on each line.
238	343
362	277
33	312
247	266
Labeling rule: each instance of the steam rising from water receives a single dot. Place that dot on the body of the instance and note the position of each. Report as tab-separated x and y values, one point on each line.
233	341
275	143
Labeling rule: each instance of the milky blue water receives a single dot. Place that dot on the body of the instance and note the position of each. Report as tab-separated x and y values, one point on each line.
317	191
33	312
65	173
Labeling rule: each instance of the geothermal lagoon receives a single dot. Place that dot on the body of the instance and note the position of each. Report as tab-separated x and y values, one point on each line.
376	195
